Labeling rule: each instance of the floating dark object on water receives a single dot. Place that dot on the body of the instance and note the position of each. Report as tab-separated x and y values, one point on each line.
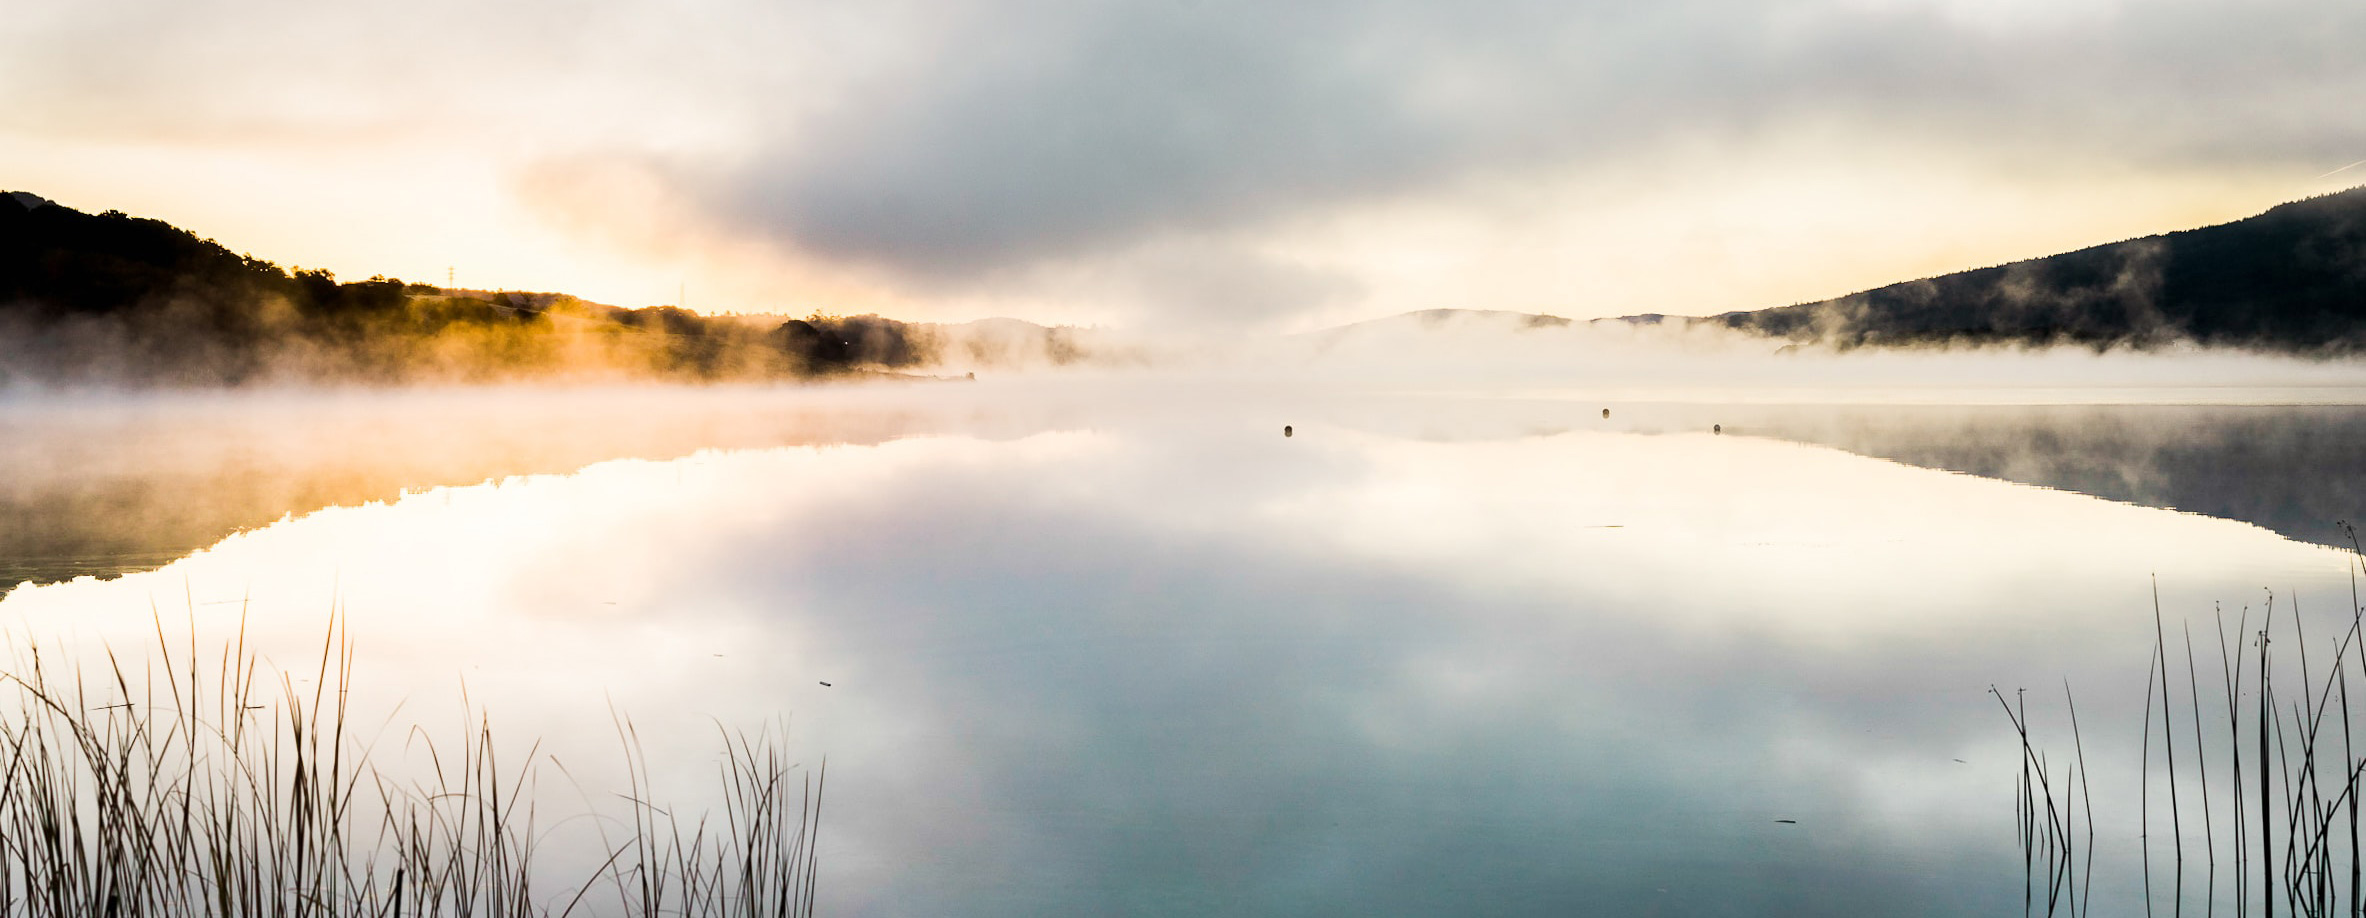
1285	430
825	685
1788	822
1716	428
1605	412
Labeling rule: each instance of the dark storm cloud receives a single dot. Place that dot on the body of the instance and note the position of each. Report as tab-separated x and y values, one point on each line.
1050	130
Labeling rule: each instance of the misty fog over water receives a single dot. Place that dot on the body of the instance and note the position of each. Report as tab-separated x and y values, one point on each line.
1123	648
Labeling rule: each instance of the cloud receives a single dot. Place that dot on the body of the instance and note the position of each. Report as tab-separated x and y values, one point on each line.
1058	131
1225	286
1074	135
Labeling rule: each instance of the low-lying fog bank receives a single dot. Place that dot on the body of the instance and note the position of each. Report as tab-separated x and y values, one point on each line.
106	483
1679	358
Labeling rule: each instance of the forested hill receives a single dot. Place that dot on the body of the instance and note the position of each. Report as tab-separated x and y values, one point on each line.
2292	279
114	299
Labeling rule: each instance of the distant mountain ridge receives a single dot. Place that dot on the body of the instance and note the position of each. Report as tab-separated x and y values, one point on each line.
1500	319
2292	279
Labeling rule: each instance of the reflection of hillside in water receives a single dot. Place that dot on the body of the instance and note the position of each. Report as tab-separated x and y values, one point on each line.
104	487
110	486
2296	471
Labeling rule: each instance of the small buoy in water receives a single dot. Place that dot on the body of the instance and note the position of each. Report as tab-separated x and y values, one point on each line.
1717	428
1605	412
1285	430
825	685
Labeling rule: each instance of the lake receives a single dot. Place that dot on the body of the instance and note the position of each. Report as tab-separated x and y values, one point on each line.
1120	646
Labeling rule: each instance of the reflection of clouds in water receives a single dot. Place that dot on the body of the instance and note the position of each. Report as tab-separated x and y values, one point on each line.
1195	667
1766	536
1259	711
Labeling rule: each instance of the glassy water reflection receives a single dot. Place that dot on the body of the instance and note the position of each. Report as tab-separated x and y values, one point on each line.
1150	657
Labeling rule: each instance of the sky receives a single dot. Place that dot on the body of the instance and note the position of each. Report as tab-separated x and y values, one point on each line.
1186	165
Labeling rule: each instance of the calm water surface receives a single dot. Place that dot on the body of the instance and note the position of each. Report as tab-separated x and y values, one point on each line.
1131	651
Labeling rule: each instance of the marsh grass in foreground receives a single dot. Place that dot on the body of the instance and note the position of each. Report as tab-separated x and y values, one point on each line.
2258	777
173	785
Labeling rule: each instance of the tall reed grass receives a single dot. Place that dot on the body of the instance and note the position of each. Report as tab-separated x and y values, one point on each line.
177	784
2257	769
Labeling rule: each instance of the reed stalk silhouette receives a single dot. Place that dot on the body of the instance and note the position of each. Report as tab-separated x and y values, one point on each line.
2287	785
176	784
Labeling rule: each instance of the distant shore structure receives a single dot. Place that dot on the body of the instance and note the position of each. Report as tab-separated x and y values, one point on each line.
1716	428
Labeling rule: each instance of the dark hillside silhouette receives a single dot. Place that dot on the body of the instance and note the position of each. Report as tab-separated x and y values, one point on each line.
116	299
2292	280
